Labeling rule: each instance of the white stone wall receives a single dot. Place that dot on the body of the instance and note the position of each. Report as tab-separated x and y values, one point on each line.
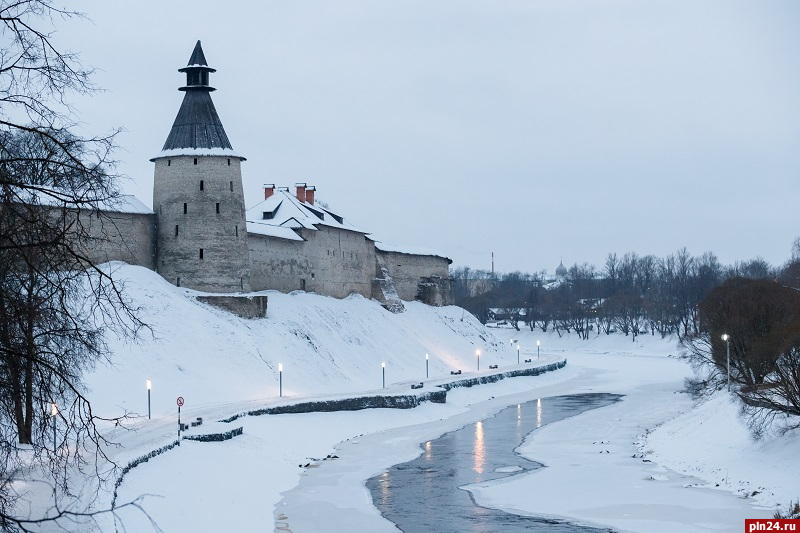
330	261
125	237
409	270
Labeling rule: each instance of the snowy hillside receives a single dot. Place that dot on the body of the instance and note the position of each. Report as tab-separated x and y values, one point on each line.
325	345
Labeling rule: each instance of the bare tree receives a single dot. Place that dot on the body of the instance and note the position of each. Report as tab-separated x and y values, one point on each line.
55	304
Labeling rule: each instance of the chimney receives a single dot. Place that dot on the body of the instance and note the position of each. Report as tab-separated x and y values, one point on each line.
301	191
310	194
269	190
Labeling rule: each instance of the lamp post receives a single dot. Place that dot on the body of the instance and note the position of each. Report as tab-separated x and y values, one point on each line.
148	398
383	371
537	349
280	380
426	366
727	339
478	353
54	414
517	353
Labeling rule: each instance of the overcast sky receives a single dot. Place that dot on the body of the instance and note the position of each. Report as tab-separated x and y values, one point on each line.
532	129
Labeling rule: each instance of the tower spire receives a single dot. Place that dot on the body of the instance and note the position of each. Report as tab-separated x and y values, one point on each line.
197	71
197	125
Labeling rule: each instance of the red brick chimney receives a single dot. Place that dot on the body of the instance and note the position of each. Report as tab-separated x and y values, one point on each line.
301	191
310	194
269	190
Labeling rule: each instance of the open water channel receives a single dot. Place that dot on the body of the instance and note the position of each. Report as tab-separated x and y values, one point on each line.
424	495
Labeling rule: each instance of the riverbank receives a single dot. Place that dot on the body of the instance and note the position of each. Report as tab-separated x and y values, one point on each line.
256	472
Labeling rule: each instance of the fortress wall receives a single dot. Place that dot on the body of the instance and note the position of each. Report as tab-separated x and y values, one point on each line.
330	261
129	237
410	271
277	264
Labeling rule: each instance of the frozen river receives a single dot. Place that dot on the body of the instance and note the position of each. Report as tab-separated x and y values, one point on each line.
424	495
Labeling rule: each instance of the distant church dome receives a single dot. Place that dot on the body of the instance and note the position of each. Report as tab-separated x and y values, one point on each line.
561	270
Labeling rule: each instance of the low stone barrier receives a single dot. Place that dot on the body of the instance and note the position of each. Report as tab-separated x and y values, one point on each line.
494	378
400	401
215	437
136	462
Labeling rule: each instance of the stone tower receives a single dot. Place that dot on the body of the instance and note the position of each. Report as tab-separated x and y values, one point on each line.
198	196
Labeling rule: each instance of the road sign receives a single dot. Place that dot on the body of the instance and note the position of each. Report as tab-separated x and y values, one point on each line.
180	401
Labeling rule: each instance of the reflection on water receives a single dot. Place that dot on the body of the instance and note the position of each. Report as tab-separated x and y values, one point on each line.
479	448
539	413
423	496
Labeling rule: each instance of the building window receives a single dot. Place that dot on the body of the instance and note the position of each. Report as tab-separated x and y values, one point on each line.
195	160
229	161
202	185
185	208
201	253
237	230
231	182
218	208
176	230
169	162
302	284
179	281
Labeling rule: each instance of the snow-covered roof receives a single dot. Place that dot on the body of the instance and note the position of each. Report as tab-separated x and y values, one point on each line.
56	197
282	232
216	151
126	203
280	213
410	250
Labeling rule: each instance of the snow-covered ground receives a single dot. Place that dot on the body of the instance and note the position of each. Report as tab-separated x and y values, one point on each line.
660	480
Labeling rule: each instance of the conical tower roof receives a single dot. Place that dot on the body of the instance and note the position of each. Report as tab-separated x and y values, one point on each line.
198	58
197	128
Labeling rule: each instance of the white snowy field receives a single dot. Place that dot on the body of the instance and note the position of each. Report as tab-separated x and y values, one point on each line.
224	365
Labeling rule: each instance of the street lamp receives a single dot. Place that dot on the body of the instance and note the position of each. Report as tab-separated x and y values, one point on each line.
727	339
280	380
426	366
383	371
537	349
148	398
54	414
478	353
517	353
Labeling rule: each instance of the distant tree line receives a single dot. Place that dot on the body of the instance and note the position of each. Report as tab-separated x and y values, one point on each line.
630	294
739	325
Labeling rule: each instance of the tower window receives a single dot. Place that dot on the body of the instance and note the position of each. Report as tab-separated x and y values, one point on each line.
237	230
229	161
195	160
185	208
201	253
218	208
231	183
201	183
179	281
176	230
169	162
